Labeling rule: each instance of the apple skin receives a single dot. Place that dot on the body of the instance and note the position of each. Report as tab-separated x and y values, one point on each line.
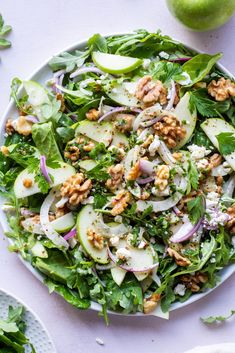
202	15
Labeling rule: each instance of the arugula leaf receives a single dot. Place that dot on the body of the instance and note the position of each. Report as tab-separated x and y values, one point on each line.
226	142
68	61
196	209
97	150
216	319
99	200
199	66
98	43
19	102
4	29
193	176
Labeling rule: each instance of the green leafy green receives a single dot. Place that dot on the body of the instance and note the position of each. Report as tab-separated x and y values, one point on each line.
166	71
44	139
217	319
226	142
98	43
199	66
4	30
19	101
193	176
68	61
196	209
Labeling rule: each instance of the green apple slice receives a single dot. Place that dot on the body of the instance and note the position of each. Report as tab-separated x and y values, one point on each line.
99	132
215	126
39	250
87	164
37	95
120	140
123	94
118	275
115	64
186	117
85	220
59	176
64	223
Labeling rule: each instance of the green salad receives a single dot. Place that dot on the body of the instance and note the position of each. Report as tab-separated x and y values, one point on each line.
12	332
118	173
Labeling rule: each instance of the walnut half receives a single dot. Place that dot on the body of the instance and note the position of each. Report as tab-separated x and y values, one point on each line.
221	89
76	188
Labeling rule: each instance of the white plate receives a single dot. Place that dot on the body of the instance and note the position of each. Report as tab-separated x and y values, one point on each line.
35	331
215	348
42	74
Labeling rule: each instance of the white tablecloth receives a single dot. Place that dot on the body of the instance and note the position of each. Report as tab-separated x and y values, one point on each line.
40	29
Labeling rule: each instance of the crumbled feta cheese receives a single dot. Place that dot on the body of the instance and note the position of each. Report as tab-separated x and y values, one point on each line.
180	289
164	55
154	146
146	63
166	192
99	341
142	244
186	81
216	217
89	200
123	254
198	152
114	240
202	164
212	199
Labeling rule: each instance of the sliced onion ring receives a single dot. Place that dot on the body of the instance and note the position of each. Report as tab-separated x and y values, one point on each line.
143	181
32	119
43	168
47	228
70	234
85	70
186	231
117	110
172	96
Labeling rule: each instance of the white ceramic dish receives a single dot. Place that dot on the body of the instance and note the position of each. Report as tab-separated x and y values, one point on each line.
42	74
228	347
35	331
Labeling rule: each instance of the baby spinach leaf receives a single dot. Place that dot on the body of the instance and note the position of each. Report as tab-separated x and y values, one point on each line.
226	142
44	139
199	66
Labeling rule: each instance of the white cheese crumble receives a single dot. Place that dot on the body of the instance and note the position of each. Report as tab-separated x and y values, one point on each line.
99	341
212	199
180	289
153	147
123	254
114	241
217	217
202	164
198	152
146	63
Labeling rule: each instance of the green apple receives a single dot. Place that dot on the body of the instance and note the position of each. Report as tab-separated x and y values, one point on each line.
202	15
115	64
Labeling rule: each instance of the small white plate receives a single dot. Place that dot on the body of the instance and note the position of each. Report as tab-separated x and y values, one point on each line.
42	74
215	348
35	331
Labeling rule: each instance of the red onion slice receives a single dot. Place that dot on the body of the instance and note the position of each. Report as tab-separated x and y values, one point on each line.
85	70
147	166
114	259
43	169
180	59
143	181
150	122
172	96
32	119
153	112
186	231
70	234
117	110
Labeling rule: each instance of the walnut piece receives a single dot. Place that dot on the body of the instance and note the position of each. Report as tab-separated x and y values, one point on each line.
72	153
221	89
120	202
170	129
149	92
135	172
116	172
231	222
4	150
92	114
124	122
162	176
76	189
194	282
9	128
27	183
23	126
215	160
148	141
95	239
151	303
179	259
89	146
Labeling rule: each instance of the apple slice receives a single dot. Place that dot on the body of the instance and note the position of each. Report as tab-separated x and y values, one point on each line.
99	132
64	223
187	118
59	176
87	164
85	220
123	94
118	275
37	95
215	126
115	64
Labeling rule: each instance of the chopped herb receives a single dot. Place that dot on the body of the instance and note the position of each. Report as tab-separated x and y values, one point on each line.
217	319
196	209
226	142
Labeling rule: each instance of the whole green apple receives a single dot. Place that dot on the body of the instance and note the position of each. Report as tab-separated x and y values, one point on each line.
202	15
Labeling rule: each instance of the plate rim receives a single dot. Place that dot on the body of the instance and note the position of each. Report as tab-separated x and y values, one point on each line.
226	272
31	311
